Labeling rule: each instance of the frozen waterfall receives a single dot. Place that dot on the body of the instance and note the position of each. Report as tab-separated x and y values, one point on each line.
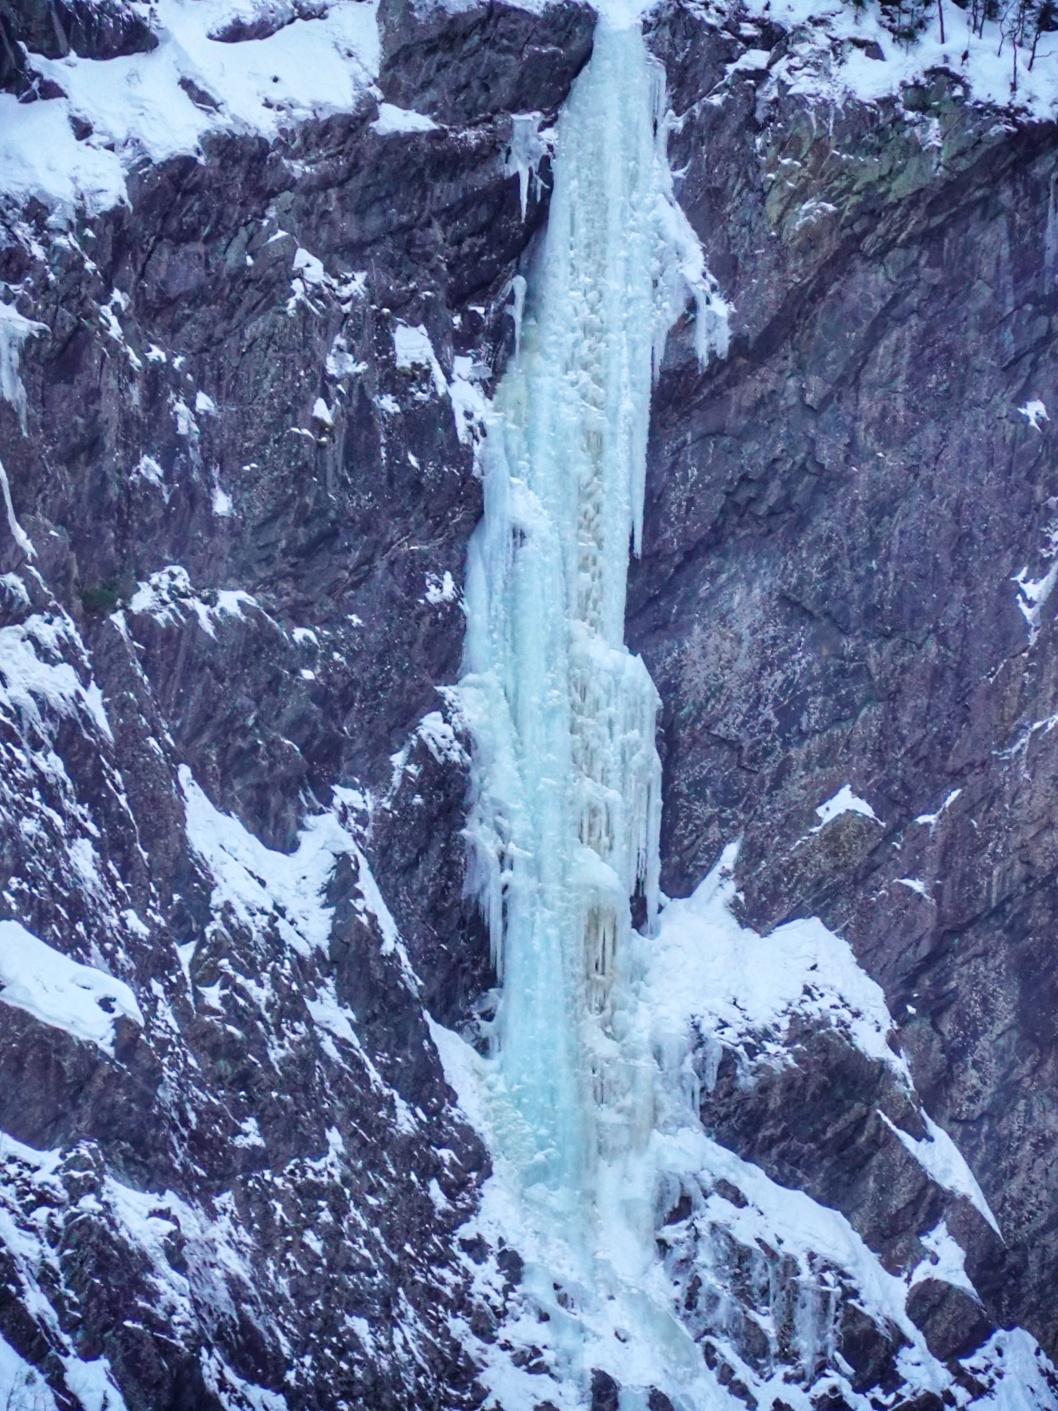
566	778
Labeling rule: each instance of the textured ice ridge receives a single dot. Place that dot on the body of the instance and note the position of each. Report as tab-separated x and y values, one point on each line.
564	825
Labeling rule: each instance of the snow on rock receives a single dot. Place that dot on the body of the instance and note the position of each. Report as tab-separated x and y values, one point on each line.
309	267
149	105
41	158
938	1155
15	328
1034	592
21	1385
469	404
413	349
221	503
839	51
1014	1372
392	120
766	1214
705	970
930	820
705	967
168	596
844	801
35	673
265	888
92	1382
261	885
916	885
15	529
946	1260
1035	413
441	588
150	472
61	992
441	739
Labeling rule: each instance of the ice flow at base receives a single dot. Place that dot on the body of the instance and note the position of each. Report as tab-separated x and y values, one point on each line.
566	777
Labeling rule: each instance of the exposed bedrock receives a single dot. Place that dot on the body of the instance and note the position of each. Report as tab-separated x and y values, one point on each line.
837	519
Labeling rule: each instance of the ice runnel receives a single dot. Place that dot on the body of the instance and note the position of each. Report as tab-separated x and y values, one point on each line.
566	777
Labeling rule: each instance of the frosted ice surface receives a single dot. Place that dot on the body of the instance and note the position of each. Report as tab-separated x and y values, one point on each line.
567	779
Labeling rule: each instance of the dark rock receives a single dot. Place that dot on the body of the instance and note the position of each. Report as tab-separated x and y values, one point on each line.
432	58
953	1321
605	1393
825	597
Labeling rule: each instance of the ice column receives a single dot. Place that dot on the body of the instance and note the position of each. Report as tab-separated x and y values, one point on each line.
566	778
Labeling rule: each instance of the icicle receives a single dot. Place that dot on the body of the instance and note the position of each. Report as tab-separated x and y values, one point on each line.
14	330
528	147
517	309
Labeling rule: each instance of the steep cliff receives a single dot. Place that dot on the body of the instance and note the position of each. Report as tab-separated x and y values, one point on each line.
262	266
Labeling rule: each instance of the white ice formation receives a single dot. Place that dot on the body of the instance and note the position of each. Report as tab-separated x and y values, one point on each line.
566	777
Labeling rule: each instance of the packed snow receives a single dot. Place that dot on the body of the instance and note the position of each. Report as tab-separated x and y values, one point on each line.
166	103
742	987
60	992
844	801
15	328
832	56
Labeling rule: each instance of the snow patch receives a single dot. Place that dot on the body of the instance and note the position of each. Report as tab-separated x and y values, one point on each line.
413	349
916	885
930	820
60	992
1035	413
15	529
15	328
944	1163
844	801
441	588
392	120
150	105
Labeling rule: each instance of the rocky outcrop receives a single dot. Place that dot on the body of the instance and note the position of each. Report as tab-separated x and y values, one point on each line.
241	496
844	582
95	29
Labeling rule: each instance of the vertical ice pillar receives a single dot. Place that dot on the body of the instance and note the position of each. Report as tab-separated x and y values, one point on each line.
566	778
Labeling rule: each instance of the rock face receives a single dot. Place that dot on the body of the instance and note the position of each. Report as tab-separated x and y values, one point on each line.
230	593
238	433
844	582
